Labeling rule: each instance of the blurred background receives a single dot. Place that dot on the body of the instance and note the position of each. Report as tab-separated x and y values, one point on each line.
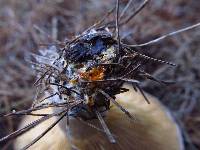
26	24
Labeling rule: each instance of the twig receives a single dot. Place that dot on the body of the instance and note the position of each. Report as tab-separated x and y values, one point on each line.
116	103
45	34
135	13
164	36
126	20
74	91
33	124
52	95
107	131
117	27
125	9
46	131
43	75
54	28
142	92
33	109
25	129
103	19
91	125
150	77
117	79
149	58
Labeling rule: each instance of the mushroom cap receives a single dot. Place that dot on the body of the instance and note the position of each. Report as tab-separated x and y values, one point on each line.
152	129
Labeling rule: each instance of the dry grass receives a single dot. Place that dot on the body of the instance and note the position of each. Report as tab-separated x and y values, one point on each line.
62	19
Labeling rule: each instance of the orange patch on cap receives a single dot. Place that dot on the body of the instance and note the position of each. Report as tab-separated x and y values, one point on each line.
94	74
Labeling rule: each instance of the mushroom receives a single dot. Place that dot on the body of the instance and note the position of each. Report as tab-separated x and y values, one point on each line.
152	128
